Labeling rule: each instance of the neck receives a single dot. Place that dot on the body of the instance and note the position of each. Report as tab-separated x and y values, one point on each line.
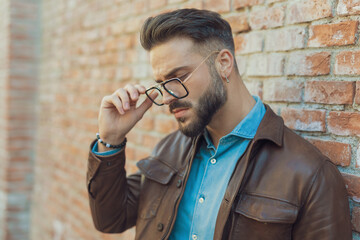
238	105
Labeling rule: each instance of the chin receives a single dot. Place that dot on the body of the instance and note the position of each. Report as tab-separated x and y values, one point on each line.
191	128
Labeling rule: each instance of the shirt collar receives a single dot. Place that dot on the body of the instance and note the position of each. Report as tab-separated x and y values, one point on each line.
248	126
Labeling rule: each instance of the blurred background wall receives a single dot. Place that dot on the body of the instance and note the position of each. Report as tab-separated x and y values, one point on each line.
20	40
59	58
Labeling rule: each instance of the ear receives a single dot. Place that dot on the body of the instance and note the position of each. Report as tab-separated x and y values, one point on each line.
225	63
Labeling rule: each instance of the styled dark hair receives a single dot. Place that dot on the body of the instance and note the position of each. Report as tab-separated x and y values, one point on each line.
204	27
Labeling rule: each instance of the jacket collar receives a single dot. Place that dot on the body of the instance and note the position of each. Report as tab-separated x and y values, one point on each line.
271	128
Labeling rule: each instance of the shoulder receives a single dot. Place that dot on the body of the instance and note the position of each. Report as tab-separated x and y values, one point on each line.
299	150
289	171
173	149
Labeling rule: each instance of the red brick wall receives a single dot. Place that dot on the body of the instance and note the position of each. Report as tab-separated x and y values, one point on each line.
301	57
19	48
4	66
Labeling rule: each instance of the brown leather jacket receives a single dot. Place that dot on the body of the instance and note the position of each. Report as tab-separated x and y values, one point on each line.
281	188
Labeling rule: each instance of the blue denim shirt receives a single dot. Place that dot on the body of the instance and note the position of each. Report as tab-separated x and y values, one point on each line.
209	176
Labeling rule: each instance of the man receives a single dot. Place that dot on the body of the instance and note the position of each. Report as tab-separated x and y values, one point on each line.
231	171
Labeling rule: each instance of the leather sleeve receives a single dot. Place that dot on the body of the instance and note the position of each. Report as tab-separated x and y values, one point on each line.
325	213
113	197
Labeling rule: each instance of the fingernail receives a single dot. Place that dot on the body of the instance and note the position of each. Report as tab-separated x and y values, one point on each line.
127	106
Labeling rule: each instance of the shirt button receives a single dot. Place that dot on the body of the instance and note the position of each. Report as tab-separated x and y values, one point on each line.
108	163
194	237
201	200
213	161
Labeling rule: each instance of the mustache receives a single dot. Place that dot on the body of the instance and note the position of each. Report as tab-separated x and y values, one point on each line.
178	104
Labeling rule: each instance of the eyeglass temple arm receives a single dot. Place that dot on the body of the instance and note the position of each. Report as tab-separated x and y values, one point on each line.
188	77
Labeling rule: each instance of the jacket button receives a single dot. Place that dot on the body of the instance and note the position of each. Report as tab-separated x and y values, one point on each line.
160	227
178	184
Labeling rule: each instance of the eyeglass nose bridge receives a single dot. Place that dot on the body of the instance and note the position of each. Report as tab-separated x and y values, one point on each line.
162	86
168	97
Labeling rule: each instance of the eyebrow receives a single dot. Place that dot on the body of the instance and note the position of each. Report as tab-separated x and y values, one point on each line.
171	73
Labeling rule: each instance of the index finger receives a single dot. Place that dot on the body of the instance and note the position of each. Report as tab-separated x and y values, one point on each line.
140	88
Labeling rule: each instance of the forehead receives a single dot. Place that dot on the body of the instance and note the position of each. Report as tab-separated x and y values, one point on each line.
176	52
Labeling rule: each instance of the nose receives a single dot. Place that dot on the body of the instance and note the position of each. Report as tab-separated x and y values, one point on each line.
168	98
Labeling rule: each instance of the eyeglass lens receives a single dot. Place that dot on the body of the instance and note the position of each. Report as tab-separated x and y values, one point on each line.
173	87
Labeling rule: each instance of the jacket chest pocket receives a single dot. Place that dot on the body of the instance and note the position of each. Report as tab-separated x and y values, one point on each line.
155	183
258	217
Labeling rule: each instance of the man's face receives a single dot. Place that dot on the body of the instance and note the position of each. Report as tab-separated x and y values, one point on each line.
207	93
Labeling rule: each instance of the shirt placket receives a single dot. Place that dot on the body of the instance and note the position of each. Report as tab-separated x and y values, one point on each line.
200	215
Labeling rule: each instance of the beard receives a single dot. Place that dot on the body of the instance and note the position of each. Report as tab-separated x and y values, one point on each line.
209	103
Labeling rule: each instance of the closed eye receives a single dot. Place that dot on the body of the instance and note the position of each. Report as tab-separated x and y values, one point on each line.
183	77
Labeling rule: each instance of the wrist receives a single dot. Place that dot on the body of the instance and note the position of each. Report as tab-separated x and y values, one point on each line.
106	143
113	139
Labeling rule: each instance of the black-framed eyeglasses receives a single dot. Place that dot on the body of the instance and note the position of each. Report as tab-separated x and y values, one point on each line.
174	86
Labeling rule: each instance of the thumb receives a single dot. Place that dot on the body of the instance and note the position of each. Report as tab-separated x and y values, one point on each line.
144	106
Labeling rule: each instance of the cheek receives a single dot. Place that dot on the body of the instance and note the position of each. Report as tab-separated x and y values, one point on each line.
197	88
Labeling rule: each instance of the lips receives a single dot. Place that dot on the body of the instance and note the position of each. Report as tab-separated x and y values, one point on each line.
179	112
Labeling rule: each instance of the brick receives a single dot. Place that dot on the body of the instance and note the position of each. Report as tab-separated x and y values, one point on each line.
156	4
254	87
348	7
246	3
221	6
238	23
357	163
339	153
142	153
337	34
308	10
149	141
344	123
140	70
197	4
266	65
241	64
130	153
352	183
132	25
146	123
165	125
265	18
347	63
355	219
272	1
248	42
329	92
140	7
282	91
124	73
175	1
308	64
285	39
357	93
304	120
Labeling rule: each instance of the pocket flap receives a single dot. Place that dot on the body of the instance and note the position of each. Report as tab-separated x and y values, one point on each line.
264	209
156	170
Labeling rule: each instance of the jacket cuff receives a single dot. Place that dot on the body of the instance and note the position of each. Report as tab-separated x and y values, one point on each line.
106	163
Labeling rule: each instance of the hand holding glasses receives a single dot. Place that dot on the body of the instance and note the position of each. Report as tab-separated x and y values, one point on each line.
119	111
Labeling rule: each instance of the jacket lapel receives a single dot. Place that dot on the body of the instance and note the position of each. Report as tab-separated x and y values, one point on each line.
271	128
